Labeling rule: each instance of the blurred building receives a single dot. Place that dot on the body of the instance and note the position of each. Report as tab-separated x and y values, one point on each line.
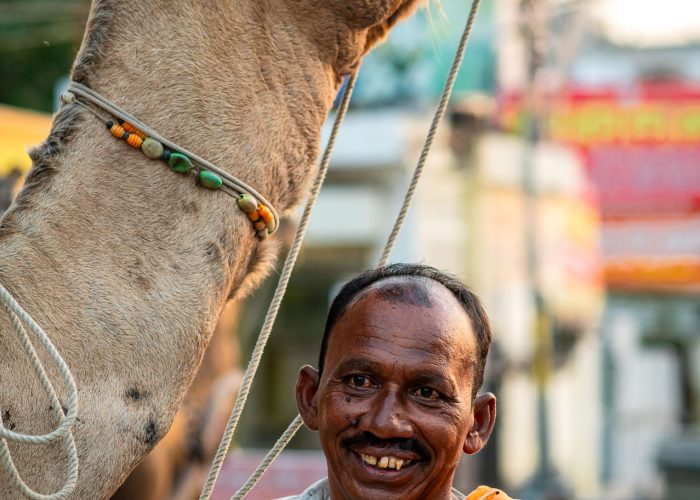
568	275
20	129
624	90
643	148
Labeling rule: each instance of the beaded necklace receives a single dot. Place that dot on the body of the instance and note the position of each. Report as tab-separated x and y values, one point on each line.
141	137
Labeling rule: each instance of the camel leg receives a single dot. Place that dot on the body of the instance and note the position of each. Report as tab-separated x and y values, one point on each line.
213	425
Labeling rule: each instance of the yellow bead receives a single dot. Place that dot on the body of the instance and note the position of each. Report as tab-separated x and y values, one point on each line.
117	131
134	141
265	214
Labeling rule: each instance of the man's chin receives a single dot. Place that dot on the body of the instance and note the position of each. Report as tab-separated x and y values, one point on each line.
364	480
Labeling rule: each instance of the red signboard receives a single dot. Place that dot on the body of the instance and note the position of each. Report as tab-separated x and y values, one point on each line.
642	151
646	180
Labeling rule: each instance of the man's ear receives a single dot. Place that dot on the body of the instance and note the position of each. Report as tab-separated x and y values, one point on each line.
307	386
484	420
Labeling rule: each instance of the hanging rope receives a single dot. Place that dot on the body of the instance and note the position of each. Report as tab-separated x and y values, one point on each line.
439	113
271	456
266	329
63	431
296	424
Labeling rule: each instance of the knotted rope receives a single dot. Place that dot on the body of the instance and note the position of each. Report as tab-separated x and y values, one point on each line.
294	426
63	431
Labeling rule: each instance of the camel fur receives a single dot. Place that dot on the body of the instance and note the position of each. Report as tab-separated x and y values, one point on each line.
128	265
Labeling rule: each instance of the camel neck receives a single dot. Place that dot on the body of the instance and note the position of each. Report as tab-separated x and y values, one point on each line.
146	247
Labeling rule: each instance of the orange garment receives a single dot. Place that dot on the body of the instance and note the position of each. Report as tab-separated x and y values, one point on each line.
487	493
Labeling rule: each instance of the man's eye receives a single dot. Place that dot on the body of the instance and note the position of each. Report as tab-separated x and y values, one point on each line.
427	393
360	381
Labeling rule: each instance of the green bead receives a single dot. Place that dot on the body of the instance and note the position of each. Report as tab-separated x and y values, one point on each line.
210	179
180	163
247	203
152	148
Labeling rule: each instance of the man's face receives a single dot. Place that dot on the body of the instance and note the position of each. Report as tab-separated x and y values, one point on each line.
394	405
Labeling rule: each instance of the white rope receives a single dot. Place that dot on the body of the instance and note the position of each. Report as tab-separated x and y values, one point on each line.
63	431
296	424
274	452
240	187
439	113
266	329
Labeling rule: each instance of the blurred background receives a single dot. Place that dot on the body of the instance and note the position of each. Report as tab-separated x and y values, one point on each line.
564	187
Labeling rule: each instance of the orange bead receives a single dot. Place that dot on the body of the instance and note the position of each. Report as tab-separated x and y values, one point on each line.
265	214
253	216
133	130
134	141
117	131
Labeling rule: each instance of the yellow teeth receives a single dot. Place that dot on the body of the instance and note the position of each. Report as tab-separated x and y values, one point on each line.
385	462
369	459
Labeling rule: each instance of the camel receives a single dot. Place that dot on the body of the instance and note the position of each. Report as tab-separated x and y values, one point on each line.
124	263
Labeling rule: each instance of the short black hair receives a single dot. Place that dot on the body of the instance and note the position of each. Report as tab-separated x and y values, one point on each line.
469	301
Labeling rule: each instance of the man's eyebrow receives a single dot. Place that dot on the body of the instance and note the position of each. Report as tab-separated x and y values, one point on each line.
358	364
434	379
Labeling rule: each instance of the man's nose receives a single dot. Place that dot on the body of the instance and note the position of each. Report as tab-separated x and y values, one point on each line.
387	417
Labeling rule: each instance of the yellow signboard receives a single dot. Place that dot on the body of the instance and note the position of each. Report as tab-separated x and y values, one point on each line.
20	130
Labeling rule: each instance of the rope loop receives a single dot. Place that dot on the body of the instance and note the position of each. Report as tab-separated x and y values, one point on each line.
18	316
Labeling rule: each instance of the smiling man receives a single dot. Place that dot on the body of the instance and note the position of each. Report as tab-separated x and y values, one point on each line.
395	399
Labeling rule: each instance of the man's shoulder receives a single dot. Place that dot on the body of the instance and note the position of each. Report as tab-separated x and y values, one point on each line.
483	493
317	491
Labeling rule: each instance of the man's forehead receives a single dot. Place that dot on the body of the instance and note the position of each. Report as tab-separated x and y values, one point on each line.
424	302
413	321
416	291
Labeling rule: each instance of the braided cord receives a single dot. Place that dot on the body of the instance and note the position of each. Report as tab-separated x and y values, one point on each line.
266	329
63	431
234	184
296	424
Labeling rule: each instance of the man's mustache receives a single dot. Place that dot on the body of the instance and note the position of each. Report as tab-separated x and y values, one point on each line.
369	439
